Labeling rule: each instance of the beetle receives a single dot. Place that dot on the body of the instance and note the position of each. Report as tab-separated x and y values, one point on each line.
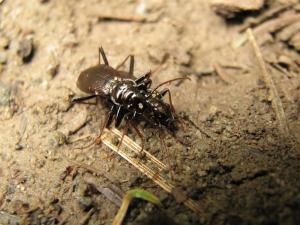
128	98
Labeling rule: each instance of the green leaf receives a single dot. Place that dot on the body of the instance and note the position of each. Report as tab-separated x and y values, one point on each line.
134	193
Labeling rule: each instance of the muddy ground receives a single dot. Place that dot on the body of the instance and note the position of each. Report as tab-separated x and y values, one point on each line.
235	162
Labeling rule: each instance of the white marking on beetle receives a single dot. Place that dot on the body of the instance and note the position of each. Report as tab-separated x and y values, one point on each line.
141	106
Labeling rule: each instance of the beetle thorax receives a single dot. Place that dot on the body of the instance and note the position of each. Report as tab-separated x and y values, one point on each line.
121	92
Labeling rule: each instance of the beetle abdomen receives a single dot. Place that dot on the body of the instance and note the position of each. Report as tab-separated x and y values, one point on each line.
94	79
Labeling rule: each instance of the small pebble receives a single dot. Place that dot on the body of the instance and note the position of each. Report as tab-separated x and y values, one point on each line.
70	41
26	49
5	92
3	58
59	138
85	203
52	69
40	163
285	60
201	172
19	147
4	42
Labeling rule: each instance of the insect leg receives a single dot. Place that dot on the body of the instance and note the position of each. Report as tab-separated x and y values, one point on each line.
102	53
143	77
82	99
131	64
144	82
164	92
138	133
106	124
123	134
166	150
119	116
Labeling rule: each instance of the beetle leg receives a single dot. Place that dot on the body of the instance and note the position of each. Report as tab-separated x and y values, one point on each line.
119	116
139	134
123	135
143	77
144	82
106	124
131	64
164	92
102	53
82	99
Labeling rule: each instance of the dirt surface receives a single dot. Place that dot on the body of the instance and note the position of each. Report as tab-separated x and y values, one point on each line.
235	162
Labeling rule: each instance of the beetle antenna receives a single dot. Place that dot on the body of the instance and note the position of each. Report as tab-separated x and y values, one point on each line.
169	81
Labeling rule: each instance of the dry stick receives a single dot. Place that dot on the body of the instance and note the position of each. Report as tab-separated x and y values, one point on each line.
136	148
122	18
276	102
283	70
3	196
87	217
153	175
222	74
272	13
271	26
89	168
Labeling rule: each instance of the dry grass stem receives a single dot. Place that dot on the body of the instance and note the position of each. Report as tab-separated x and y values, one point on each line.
152	173
276	101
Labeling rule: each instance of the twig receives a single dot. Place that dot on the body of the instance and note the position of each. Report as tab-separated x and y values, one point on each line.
112	192
287	33
151	173
137	149
277	23
222	74
269	14
87	217
7	218
117	18
3	196
265	29
121	18
282	70
276	102
235	67
89	168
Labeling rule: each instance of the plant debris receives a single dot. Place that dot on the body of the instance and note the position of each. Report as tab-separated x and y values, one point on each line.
229	8
276	101
26	49
134	193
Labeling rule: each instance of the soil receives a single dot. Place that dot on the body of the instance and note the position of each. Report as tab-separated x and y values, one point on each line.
235	161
